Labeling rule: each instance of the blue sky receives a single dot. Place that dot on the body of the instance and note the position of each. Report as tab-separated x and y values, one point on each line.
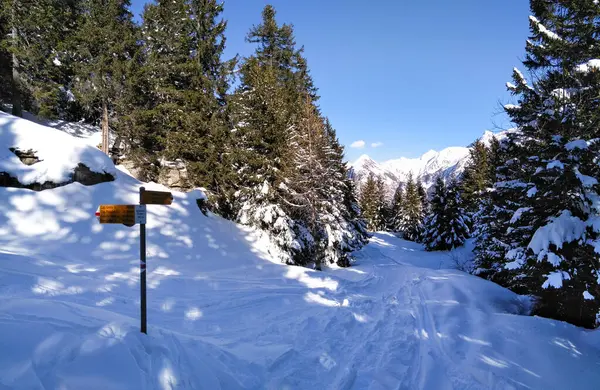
411	75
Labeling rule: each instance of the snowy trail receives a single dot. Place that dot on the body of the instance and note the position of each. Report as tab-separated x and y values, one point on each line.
223	316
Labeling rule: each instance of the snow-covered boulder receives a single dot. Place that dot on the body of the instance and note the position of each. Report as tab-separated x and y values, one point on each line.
39	157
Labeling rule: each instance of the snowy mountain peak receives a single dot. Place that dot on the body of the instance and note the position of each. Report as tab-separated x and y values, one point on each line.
429	155
448	163
363	160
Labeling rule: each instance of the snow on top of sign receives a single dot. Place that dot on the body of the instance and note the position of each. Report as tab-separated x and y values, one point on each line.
59	152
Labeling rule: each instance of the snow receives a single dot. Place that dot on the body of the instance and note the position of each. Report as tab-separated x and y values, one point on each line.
555	279
512	107
224	314
517	215
520	75
511	86
90	134
59	152
564	94
562	229
588	296
588	66
555	164
587	181
532	191
576	144
543	29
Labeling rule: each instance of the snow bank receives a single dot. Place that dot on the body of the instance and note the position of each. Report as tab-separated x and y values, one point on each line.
59	152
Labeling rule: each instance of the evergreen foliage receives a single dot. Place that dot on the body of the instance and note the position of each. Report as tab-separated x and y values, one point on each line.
37	67
477	176
424	197
545	196
372	204
446	225
396	210
411	222
105	42
291	177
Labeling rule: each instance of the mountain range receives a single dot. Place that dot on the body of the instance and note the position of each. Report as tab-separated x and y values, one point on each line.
448	163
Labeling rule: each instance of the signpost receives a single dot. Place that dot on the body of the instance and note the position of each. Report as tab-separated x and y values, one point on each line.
155	197
129	215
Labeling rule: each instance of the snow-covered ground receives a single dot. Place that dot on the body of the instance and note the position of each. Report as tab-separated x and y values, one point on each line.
223	315
59	152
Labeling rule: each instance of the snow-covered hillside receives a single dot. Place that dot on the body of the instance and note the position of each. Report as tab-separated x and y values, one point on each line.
448	163
223	315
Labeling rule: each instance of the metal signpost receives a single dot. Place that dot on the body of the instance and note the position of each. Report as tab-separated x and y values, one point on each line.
129	215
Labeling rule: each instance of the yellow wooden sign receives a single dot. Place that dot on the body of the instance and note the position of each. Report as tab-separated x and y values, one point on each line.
156	197
121	213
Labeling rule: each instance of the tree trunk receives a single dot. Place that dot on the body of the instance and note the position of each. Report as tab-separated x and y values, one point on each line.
17	109
105	127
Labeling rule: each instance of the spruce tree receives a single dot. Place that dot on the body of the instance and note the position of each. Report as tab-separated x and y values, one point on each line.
38	64
411	224
371	203
178	105
5	60
476	176
396	210
384	207
106	41
270	113
423	196
446	226
345	231
547	185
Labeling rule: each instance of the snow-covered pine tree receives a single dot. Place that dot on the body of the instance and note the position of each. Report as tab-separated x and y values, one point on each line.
411	223
340	218
396	210
370	203
446	225
493	233
269	114
423	196
384	206
262	138
307	186
550	180
476	176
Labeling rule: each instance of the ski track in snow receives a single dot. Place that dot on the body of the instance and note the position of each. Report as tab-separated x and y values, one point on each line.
221	315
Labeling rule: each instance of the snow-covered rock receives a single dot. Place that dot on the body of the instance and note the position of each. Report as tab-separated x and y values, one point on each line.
40	157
